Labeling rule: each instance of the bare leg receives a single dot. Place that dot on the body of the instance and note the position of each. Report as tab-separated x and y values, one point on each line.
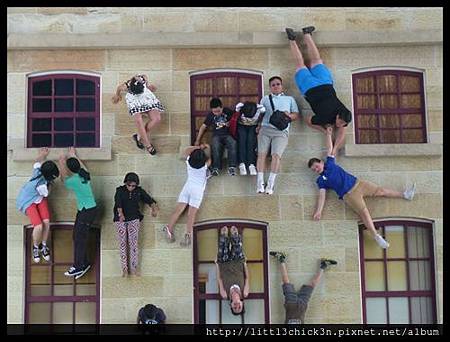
340	139
155	119
275	164
313	52
141	129
300	63
176	215
37	234
192	212
316	279
317	127
284	274
261	162
383	192
367	220
45	230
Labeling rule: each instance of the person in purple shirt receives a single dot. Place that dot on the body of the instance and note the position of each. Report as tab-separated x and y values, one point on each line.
350	189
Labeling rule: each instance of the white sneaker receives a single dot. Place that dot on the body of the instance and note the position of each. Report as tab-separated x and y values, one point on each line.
381	242
242	169
409	193
252	170
269	189
260	188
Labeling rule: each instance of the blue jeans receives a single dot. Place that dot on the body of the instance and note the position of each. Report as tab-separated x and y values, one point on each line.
218	141
247	144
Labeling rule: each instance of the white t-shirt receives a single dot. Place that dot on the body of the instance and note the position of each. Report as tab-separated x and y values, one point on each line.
196	176
41	189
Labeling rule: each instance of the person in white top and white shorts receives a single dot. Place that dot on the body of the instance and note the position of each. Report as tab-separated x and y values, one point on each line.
197	162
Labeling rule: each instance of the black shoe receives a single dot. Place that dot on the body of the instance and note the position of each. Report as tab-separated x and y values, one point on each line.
215	172
308	29
45	251
138	143
72	271
291	34
35	253
324	263
279	255
83	271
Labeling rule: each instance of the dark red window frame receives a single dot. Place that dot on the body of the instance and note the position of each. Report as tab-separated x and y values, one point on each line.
396	111
240	225
215	93
386	294
58	299
63	115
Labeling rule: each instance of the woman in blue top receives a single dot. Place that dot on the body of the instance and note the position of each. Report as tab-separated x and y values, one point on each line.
350	189
76	178
32	201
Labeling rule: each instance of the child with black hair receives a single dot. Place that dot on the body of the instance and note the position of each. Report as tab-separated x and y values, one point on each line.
197	162
246	129
32	201
151	314
77	178
127	218
141	101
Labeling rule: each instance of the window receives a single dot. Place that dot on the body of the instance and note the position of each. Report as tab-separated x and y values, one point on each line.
398	284
389	107
50	296
230	87
63	110
208	305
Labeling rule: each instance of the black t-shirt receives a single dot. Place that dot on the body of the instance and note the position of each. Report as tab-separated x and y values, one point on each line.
129	202
325	104
220	123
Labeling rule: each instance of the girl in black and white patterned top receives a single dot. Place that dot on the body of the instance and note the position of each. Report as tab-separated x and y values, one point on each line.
141	100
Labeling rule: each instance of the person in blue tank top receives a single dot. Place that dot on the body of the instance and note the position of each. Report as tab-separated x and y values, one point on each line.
77	179
350	189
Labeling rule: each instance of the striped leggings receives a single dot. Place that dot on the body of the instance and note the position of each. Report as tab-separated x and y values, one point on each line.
130	230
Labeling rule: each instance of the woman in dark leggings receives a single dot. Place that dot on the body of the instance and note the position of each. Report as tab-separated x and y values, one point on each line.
76	178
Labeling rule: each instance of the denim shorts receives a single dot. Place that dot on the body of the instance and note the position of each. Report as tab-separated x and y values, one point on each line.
309	78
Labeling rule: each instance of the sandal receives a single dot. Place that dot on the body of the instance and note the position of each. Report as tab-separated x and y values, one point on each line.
187	240
169	235
138	143
151	149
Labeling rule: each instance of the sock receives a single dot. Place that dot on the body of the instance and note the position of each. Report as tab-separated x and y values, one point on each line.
44	243
260	178
271	180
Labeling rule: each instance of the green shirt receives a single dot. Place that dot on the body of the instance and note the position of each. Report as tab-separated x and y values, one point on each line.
83	191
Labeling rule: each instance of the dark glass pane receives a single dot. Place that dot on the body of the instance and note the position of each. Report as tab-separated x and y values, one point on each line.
41	140
41	125
85	87
42	88
85	124
64	124
85	105
85	139
64	87
63	105
63	140
42	105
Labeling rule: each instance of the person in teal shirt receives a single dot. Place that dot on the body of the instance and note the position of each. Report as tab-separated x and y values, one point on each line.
77	179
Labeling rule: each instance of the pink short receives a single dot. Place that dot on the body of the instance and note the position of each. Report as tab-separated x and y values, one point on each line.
38	212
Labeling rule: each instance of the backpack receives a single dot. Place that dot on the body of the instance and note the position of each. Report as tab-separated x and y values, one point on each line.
233	124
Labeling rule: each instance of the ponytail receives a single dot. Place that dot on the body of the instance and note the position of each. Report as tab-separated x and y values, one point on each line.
74	165
85	175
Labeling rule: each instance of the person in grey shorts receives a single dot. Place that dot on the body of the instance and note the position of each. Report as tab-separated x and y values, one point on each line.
296	302
271	138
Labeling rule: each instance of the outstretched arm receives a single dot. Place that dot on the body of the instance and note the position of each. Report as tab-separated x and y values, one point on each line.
73	154
117	96
189	150
329	141
222	291
246	281
201	131
320	203
42	154
62	166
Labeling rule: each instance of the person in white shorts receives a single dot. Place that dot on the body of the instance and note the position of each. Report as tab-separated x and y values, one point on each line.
197	163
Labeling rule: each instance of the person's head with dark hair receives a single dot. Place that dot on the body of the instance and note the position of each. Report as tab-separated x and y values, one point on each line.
131	181
197	158
316	165
216	106
49	171
137	85
74	166
343	117
151	314
237	308
249	109
276	85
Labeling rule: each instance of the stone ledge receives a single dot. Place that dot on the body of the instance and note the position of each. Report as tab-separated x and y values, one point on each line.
21	153
393	150
217	39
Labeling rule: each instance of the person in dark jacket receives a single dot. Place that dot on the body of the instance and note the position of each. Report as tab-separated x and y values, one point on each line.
127	218
151	314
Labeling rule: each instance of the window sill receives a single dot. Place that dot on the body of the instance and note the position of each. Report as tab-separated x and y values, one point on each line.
22	153
393	150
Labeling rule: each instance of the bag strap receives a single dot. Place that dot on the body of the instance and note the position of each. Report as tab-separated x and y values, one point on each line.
271	103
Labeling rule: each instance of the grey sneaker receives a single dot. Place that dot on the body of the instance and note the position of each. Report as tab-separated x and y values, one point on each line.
35	253
232	171
279	255
187	240
409	193
324	263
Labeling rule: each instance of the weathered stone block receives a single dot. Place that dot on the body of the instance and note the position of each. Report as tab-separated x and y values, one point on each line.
291	207
333	209
138	59
61	10
294	233
180	124
175	102
340	233
144	286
